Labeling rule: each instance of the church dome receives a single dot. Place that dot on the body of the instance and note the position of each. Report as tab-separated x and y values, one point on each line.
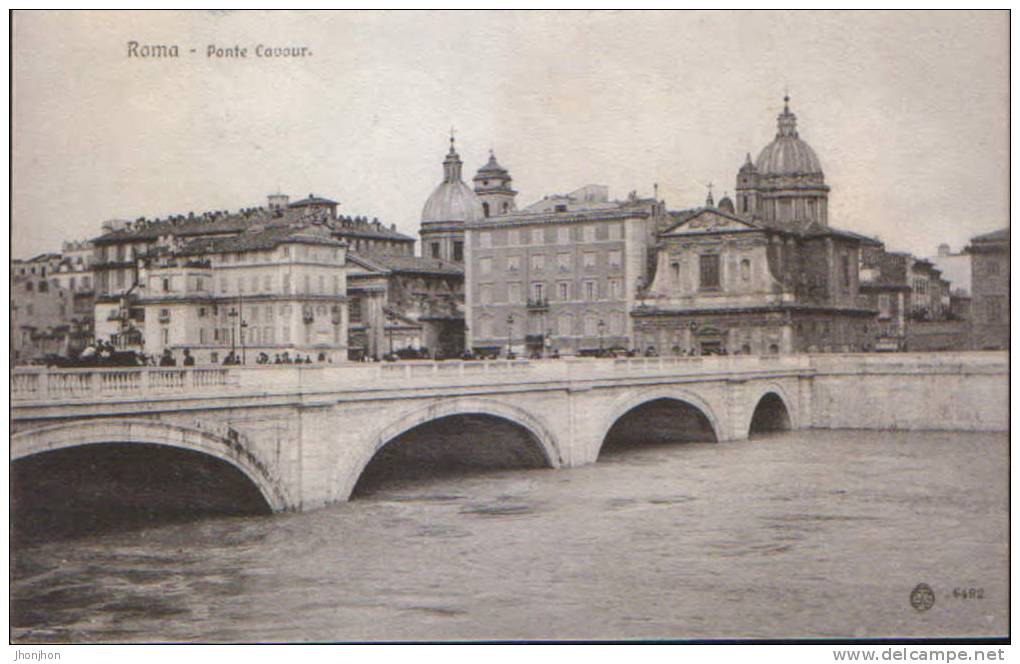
787	154
452	200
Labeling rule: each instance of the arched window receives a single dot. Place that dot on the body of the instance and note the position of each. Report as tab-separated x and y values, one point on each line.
745	270
485	209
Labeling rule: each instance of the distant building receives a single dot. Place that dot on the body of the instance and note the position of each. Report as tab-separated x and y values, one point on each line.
401	302
271	290
45	320
559	276
989	255
954	267
764	275
885	288
127	247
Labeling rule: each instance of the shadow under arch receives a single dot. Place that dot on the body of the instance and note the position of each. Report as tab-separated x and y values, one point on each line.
139	432
771	414
459	425
658	416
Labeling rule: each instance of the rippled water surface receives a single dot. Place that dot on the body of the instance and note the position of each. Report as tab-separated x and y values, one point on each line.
803	534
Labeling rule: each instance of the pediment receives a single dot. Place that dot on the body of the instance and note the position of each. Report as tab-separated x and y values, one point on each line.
710	221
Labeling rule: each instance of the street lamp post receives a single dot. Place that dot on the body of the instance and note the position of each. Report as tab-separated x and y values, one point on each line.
509	335
244	326
233	347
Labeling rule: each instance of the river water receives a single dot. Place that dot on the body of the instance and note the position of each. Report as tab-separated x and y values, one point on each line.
799	534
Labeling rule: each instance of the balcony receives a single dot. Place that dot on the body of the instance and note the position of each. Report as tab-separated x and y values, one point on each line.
538	304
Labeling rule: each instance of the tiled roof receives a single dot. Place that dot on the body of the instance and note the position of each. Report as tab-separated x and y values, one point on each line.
419	264
262	239
222	223
1001	235
351	228
312	200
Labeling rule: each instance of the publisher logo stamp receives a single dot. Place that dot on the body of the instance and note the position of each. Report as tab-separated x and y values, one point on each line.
922	597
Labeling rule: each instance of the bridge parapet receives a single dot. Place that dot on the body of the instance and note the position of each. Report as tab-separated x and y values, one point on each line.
34	384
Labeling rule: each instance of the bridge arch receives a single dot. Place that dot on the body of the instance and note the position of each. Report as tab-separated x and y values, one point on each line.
546	440
151	432
630	401
761	396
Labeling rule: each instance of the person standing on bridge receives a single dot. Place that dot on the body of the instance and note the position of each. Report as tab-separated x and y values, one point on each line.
189	361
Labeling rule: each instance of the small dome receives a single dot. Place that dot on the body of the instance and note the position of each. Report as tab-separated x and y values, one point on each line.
452	200
726	205
491	169
787	154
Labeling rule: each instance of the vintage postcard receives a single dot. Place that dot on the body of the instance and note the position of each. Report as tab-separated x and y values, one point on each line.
428	326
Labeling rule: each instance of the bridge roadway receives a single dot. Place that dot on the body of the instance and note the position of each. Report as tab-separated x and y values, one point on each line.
304	434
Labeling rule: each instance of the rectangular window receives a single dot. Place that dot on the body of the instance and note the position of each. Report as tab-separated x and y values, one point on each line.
563	262
674	268
536	236
563	235
267	283
537	262
514	293
563	291
615	259
286	282
709	270
590	258
615	231
511	237
336	284
485	294
884	305
615	289
485	239
458	251
513	263
485	265
240	284
589	232
285	332
538	292
994	310
434	249
308	284
201	335
591	291
566	325
322	283
845	265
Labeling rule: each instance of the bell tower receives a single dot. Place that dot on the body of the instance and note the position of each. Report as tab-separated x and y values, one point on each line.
493	186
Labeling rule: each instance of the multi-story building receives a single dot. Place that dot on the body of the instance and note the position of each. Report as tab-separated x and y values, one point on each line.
767	275
400	302
45	320
989	254
272	290
884	288
557	278
115	265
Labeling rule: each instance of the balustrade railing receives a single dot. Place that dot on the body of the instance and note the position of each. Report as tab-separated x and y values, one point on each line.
39	384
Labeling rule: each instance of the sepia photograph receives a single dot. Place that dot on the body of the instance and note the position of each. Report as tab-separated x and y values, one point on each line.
523	326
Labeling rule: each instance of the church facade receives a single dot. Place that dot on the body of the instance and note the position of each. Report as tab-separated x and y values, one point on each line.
766	275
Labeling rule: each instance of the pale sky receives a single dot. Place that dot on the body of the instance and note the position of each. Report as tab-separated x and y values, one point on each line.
908	112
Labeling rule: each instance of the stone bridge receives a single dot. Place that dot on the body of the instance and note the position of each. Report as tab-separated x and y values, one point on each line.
303	434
